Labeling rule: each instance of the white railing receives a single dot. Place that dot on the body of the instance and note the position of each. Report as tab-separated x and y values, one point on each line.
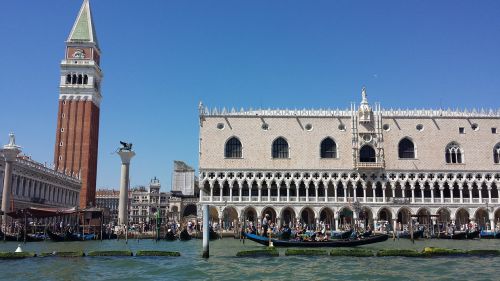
320	199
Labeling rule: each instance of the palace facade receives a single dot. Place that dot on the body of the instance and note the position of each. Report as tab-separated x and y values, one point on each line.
364	163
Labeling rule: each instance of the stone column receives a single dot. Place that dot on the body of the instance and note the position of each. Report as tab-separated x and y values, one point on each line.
364	193
441	193
231	184
451	193
269	192
470	194
287	192
335	185
412	187
307	193
10	152
279	192
489	194
221	189
316	186
336	218
211	191
480	191
345	193
259	190
383	194
126	156
432	194
240	195
326	193
461	188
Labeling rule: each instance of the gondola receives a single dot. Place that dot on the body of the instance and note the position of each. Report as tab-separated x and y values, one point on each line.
342	235
212	235
170	236
20	237
109	236
457	235
490	234
68	236
184	235
313	244
472	234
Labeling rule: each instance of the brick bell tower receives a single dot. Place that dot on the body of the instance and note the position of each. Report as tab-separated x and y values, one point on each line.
77	132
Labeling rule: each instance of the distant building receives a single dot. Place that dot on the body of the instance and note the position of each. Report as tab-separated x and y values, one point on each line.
36	185
108	198
183	180
146	202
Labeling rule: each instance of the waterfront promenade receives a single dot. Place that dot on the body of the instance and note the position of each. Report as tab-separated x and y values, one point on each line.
224	265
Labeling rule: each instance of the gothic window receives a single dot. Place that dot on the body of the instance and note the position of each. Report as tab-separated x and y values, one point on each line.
280	148
233	148
85	79
68	79
73	79
367	154
406	149
328	148
80	79
454	154
496	154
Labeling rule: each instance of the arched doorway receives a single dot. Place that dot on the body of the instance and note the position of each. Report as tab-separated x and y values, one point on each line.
249	214
482	218
346	218
497	218
190	210
307	217
288	216
462	218
327	217
404	218
272	214
366	218
424	216
214	214
229	218
443	216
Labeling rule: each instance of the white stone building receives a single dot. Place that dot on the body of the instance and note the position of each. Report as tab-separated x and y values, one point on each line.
364	163
37	185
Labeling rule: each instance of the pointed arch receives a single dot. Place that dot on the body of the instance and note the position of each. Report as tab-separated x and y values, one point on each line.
280	148
406	149
454	153
233	148
367	154
496	154
328	148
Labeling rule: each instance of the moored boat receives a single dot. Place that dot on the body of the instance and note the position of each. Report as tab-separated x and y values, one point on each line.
170	236
342	235
407	235
314	244
184	235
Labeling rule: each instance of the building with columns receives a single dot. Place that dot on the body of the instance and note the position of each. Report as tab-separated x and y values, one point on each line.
77	131
34	184
362	163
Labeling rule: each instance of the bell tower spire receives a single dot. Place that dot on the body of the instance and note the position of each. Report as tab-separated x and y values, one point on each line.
80	97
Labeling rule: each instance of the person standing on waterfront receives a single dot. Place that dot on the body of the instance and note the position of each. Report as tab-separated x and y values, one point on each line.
265	224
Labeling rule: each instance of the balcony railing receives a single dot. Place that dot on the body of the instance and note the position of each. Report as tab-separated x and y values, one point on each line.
340	199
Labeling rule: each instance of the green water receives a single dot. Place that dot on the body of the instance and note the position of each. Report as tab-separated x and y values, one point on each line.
223	265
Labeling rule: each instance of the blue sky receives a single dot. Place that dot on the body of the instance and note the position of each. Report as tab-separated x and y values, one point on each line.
160	58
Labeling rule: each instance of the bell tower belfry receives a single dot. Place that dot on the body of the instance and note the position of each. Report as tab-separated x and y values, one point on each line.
77	132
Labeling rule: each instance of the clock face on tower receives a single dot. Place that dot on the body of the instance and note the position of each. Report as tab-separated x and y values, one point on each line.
79	54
